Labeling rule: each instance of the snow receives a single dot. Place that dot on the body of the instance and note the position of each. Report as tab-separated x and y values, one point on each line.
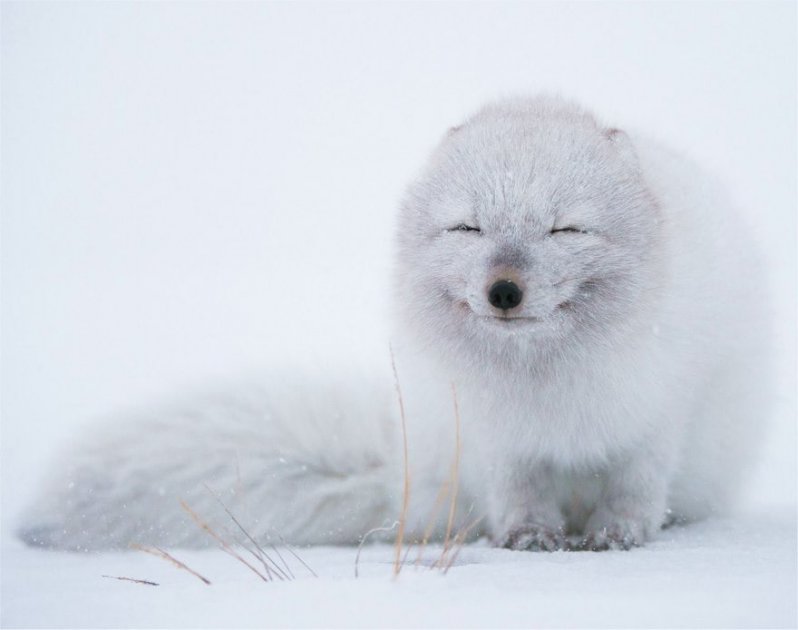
174	173
732	572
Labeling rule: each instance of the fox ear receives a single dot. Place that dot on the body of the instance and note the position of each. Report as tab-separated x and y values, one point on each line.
623	144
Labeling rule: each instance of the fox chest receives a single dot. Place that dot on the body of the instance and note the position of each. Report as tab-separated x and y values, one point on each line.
573	425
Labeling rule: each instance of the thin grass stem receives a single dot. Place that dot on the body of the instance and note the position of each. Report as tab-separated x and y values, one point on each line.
454	481
223	544
157	551
365	537
397	566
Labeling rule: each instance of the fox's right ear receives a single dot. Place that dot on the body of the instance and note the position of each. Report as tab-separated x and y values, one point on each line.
623	144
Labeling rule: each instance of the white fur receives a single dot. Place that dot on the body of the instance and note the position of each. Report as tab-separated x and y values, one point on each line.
628	383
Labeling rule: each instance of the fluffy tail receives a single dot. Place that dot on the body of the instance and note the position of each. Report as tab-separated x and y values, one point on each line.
308	462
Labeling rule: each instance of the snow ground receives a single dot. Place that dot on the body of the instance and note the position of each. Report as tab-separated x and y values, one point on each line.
733	572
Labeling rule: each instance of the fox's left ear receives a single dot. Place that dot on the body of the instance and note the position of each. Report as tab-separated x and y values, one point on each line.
622	143
453	130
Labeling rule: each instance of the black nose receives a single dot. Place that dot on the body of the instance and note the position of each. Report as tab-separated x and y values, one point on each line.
505	295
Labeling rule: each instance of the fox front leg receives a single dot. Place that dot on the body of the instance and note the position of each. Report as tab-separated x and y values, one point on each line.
524	514
632	506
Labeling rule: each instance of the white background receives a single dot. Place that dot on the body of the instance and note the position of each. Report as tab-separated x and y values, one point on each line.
196	191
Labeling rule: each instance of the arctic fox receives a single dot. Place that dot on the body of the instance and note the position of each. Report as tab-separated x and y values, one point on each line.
589	300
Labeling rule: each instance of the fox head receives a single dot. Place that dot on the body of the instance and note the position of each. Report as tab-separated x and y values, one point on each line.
531	230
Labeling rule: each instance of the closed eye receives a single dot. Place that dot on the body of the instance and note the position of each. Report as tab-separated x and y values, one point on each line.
568	229
462	227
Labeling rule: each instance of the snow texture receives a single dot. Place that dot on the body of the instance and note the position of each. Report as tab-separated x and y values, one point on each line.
728	573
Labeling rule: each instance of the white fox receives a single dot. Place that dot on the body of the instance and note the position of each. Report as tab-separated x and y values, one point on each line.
593	301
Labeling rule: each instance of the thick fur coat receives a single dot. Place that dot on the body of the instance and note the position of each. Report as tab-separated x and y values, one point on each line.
592	299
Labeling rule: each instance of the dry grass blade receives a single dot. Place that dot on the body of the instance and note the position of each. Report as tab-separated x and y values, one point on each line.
408	549
127	579
261	555
459	542
285	564
397	565
293	553
365	537
222	543
255	553
442	492
453	483
155	551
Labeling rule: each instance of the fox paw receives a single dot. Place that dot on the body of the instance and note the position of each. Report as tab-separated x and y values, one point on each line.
534	538
619	535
